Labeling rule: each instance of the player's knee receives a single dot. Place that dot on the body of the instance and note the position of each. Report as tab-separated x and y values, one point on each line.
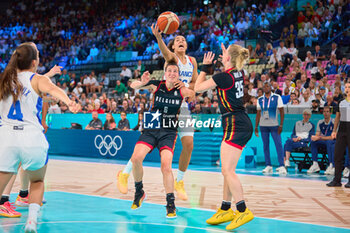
136	158
226	171
188	145
166	168
37	181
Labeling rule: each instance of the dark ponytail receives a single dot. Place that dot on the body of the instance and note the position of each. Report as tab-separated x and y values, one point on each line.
21	59
170	45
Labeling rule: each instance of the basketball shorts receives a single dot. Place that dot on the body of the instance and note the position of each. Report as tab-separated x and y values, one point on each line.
185	115
162	139
238	129
22	144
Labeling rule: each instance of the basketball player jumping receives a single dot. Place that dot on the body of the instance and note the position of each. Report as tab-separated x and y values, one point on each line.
176	50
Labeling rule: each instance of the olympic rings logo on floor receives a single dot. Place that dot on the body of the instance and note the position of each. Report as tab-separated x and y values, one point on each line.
107	145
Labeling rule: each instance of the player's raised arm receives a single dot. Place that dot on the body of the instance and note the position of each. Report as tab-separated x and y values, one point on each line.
167	54
44	85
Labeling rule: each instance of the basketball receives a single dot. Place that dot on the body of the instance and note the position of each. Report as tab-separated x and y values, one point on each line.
168	22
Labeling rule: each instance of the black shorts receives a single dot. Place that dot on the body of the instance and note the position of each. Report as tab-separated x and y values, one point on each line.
162	139
238	129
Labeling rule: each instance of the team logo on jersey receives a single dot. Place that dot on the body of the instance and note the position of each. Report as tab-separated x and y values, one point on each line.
184	73
175	93
108	145
151	120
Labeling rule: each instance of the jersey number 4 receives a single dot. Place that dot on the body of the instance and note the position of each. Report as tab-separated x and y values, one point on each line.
15	112
239	88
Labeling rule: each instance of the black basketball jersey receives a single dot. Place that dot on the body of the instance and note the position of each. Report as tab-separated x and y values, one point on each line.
229	86
166	101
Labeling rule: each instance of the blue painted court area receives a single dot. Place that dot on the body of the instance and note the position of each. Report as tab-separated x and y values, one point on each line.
68	212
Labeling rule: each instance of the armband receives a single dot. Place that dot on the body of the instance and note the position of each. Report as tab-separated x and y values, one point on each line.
207	68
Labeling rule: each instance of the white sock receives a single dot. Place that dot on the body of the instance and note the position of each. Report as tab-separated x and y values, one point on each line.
331	165
33	211
315	163
128	168
180	175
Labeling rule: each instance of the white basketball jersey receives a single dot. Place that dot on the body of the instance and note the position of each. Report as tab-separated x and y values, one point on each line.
186	70
26	111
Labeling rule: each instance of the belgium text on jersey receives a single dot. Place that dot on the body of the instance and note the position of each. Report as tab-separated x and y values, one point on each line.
167	100
186	123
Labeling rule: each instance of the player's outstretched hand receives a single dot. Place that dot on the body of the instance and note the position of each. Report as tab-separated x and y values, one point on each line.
54	70
208	58
179	84
155	30
145	77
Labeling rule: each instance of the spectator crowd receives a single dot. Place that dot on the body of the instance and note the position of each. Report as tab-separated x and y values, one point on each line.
78	32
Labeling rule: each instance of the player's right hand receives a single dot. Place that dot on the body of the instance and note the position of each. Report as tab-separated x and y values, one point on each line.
155	30
145	77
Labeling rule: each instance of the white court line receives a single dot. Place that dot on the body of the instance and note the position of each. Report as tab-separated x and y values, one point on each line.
121	222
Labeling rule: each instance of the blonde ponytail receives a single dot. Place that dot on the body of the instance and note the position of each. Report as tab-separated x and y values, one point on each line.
239	56
243	58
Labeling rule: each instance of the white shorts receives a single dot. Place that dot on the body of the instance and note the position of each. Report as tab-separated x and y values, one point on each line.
22	144
185	114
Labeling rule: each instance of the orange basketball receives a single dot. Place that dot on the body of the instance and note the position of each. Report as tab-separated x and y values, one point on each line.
168	22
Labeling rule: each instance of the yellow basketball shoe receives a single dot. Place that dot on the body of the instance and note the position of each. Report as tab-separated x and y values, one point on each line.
180	189
240	219
171	211
139	198
221	216
122	182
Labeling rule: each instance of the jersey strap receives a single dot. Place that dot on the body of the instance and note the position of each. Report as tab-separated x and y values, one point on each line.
31	77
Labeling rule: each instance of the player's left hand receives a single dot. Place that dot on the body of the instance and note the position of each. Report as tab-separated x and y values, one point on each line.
43	123
74	107
54	70
179	84
208	58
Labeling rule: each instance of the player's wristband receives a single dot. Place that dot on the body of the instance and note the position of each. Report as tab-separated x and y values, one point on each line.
207	68
187	85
